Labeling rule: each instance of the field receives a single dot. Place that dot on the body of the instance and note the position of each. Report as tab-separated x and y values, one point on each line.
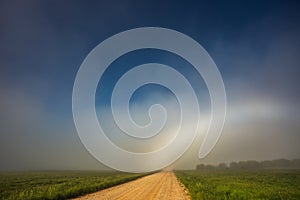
234	184
57	185
202	184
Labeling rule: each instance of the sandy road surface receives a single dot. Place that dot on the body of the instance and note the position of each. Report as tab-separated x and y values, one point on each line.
162	185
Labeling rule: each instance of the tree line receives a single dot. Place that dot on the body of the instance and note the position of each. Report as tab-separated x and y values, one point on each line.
253	164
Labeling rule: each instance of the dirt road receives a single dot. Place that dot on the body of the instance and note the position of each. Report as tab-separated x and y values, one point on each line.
162	185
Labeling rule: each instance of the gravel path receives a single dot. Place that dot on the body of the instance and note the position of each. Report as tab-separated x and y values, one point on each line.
162	185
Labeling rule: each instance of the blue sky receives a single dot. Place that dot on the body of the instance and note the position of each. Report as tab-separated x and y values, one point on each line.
255	44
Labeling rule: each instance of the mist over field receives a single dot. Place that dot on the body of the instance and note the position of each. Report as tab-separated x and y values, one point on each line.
256	46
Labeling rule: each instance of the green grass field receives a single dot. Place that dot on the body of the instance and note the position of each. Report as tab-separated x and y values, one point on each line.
226	184
234	184
57	185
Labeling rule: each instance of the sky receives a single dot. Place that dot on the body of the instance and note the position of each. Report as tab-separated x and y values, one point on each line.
255	44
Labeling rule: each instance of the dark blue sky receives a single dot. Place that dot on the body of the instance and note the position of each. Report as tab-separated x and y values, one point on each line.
48	40
255	45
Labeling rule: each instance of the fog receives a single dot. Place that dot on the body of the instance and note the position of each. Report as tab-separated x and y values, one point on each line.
258	59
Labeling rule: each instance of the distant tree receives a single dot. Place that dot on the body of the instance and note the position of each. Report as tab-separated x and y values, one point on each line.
266	164
209	167
222	166
295	164
252	165
233	165
200	167
281	163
